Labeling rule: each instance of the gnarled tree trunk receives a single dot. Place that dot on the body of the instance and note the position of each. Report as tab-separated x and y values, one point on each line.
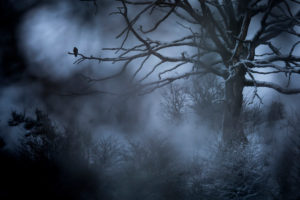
233	132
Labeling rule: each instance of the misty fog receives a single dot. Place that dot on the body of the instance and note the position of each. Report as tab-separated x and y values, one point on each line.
65	136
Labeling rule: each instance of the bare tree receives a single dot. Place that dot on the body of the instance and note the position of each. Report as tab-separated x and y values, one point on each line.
219	29
206	94
174	98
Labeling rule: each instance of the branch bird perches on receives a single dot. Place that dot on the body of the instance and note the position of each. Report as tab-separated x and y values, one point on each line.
218	29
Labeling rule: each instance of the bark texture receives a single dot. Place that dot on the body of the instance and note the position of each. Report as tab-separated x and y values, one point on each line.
232	125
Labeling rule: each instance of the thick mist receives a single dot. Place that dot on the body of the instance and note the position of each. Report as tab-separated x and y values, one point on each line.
104	144
54	84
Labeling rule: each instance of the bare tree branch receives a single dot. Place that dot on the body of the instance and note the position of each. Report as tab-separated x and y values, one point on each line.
274	86
221	31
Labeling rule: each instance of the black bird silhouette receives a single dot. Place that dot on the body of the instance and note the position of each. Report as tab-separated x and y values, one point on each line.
75	51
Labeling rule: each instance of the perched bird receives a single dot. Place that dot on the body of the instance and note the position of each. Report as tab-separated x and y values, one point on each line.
183	54
75	51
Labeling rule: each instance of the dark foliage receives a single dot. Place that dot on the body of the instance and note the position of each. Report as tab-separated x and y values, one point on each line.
287	167
54	163
47	165
275	112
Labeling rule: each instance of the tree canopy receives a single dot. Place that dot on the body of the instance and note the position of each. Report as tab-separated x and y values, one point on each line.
223	37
